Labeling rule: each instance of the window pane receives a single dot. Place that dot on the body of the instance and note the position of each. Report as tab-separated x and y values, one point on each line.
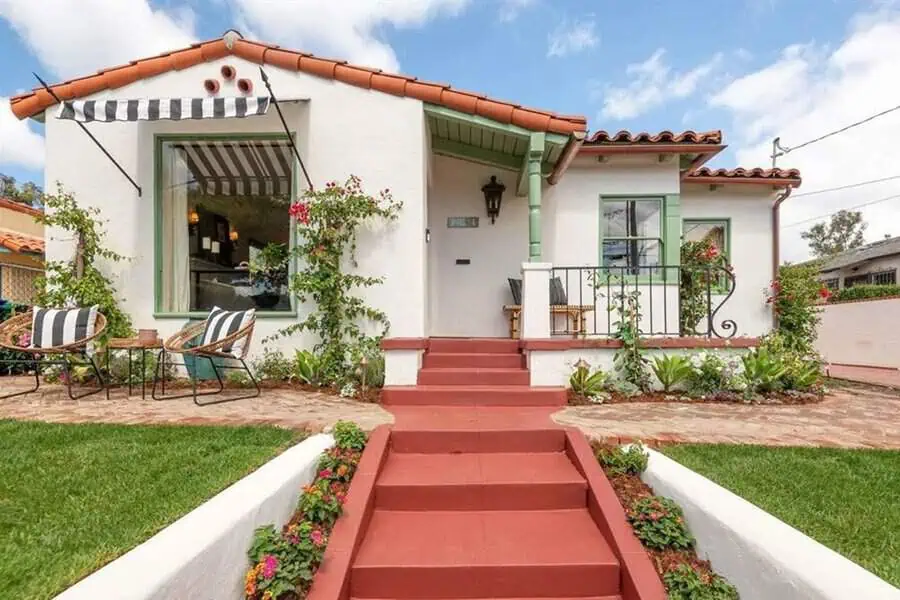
223	201
632	253
713	232
631	218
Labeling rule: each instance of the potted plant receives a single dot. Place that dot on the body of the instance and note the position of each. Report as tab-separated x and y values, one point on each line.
269	274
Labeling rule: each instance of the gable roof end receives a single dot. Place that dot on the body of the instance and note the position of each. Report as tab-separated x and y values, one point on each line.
38	100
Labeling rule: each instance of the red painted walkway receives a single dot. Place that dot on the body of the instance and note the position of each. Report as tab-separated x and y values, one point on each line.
476	493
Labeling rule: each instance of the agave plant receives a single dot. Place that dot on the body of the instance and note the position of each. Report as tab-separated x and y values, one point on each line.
672	370
587	383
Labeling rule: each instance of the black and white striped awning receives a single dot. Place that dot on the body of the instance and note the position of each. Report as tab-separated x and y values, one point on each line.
239	167
156	109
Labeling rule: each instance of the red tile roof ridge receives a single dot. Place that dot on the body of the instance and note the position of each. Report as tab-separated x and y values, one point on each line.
742	172
38	100
663	137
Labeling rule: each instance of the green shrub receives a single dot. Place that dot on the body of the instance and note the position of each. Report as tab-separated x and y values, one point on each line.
803	372
659	523
795	295
861	292
237	379
7	311
685	583
349	436
672	370
763	370
587	383
710	373
617	460
308	368
273	366
372	373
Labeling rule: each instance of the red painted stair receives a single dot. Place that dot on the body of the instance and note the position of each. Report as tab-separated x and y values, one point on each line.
475	493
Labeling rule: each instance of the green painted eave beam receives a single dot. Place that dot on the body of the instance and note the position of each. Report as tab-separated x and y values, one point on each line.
442	112
483	156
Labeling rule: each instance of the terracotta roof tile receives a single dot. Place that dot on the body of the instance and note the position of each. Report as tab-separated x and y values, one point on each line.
18	242
663	137
742	175
19	207
35	102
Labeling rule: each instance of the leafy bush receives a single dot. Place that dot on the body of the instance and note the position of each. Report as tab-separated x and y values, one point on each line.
237	379
704	270
372	372
284	563
617	460
308	368
587	383
861	292
794	295
763	370
686	583
349	436
714	373
803	372
9	310
672	370
659	523
273	366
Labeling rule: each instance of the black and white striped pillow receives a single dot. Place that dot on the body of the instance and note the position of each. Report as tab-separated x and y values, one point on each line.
222	323
52	327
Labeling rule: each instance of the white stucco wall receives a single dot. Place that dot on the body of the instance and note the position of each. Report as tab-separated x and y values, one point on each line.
341	130
860	333
750	210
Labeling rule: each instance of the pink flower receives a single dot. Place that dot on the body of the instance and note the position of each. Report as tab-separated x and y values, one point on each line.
325	474
270	563
300	211
317	538
25	340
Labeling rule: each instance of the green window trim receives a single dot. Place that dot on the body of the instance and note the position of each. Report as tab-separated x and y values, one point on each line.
158	140
670	235
726	221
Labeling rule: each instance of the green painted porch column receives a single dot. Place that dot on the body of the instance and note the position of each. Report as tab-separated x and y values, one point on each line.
534	157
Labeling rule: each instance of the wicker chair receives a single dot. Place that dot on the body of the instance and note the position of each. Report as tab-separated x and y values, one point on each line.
214	352
11	331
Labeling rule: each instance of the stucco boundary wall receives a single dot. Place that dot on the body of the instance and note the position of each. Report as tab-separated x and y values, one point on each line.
203	555
860	333
762	556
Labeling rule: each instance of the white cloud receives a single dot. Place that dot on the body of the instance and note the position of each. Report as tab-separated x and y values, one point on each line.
510	9
651	84
810	90
347	29
571	38
20	145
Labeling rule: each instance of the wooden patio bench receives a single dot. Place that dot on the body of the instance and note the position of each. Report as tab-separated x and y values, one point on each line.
576	317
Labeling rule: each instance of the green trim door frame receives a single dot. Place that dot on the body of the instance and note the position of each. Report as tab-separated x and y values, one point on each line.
669	229
158	140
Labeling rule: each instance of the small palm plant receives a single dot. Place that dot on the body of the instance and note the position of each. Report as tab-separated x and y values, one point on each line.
586	383
672	370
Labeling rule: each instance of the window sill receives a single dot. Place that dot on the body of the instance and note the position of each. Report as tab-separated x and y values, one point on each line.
262	314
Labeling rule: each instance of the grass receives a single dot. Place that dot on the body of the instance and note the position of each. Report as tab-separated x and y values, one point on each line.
848	500
74	497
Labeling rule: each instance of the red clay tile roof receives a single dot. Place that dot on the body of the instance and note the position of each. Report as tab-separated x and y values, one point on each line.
35	102
18	242
663	137
18	207
741	175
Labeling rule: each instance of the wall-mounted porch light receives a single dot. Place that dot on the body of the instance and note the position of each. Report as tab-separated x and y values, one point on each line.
493	194
233	235
193	217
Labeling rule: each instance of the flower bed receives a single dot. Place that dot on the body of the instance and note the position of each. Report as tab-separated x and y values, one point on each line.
283	563
659	525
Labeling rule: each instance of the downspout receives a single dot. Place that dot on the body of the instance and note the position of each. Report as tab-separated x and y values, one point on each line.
776	240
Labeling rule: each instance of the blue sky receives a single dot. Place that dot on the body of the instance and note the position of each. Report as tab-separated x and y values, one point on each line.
753	68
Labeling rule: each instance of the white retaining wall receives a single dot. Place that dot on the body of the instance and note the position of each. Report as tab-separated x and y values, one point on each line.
203	555
765	558
861	333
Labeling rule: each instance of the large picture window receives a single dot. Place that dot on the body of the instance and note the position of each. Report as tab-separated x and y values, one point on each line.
632	231
222	201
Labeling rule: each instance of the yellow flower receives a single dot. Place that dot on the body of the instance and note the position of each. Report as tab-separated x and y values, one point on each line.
267	595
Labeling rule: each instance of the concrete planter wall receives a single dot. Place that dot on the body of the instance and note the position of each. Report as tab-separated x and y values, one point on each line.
203	555
762	556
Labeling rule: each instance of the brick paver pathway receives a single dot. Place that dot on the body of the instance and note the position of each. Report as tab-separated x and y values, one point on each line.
282	407
852	418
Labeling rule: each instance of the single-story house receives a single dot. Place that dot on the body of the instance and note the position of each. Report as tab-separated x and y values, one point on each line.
583	215
872	264
21	251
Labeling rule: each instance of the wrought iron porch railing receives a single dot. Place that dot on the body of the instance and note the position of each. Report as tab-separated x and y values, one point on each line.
673	300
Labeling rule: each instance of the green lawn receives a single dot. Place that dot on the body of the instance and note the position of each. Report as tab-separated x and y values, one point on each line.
849	500
74	497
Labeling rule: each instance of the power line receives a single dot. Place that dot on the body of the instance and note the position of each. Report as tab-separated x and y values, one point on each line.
885	199
846	187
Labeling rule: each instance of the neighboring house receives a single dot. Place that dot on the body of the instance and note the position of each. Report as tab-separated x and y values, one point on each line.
595	211
21	251
873	264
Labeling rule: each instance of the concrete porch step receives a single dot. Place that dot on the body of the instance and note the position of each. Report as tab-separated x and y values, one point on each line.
498	481
473	395
484	554
473	345
442	360
473	376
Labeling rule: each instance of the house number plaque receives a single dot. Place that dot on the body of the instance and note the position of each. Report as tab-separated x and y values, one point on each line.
462	222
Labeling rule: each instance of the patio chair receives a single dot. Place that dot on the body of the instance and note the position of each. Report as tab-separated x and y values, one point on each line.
66	333
223	337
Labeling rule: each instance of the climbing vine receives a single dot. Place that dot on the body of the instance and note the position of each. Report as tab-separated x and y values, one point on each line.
630	363
327	222
703	272
79	281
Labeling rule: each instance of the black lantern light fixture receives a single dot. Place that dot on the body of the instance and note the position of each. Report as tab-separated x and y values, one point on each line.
493	194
